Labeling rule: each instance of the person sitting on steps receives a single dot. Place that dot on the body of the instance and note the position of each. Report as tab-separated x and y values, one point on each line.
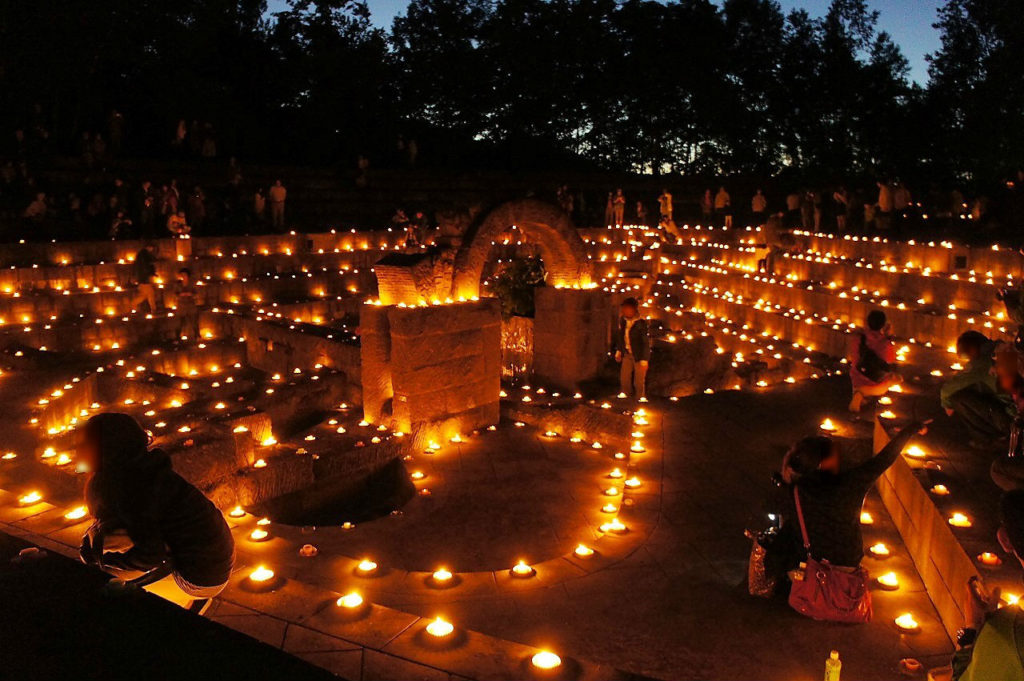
972	394
872	357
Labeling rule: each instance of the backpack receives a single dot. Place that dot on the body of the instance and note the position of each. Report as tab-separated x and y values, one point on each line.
873	367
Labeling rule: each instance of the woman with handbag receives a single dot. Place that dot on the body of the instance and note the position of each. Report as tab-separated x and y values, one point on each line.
821	525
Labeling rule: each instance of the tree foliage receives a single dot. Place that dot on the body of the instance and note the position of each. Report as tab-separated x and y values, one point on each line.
688	86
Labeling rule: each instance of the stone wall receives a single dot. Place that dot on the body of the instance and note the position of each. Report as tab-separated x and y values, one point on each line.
443	363
571	335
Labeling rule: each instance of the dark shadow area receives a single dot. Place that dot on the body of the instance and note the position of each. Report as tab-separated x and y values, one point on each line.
57	621
337	502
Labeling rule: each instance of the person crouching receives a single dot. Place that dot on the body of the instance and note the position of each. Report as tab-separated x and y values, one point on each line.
146	515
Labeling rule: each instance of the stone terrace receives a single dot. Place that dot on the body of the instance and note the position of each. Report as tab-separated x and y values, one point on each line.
629	522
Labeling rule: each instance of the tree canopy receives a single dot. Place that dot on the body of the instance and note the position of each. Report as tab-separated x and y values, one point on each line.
684	86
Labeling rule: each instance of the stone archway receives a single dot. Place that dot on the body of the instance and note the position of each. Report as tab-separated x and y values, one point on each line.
563	252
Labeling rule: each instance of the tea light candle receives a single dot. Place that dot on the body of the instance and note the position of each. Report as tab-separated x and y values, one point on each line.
350	600
76	513
989	559
959	520
907	623
615	473
546	660
263	521
442	575
611	491
31	498
609	508
633	483
260	463
418	475
521	569
866	519
940	490
828	426
237	512
637	447
258	534
440	628
583	551
889	581
915	452
366	567
887	414
879	550
885	400
261	574
613	526
308	551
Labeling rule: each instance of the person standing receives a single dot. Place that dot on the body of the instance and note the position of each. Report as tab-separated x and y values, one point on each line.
841	203
759	207
609	211
723	207
641	214
665	206
883	219
186	309
619	207
145	276
707	206
632	345
277	196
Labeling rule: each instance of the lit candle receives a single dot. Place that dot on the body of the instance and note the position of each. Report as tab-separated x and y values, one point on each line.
907	623
583	551
633	483
959	520
915	452
261	574
521	569
440	628
237	512
76	513
879	550
828	426
613	526
350	600
442	575
940	490
366	567
889	581
989	559
866	519
887	414
546	660
258	534
30	498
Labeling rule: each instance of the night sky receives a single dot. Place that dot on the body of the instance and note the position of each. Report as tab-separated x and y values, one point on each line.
908	21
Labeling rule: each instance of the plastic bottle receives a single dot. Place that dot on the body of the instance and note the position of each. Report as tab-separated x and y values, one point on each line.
832	666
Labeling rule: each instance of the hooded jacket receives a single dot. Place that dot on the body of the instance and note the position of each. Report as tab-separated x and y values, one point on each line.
135	489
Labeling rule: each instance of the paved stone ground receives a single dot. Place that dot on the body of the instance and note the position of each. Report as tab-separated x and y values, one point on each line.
676	607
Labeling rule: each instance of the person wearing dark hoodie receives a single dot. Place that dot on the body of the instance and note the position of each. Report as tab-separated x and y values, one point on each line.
973	393
831	496
147	517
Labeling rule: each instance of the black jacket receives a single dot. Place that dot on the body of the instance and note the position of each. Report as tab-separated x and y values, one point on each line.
831	504
639	339
165	515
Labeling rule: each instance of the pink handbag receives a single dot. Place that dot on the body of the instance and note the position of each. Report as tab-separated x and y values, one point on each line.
826	592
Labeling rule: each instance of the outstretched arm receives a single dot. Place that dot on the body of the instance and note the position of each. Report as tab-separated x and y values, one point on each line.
870	470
